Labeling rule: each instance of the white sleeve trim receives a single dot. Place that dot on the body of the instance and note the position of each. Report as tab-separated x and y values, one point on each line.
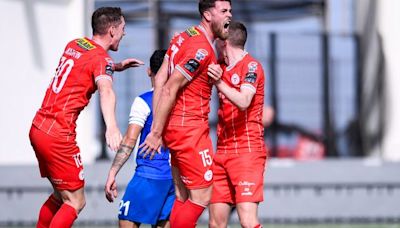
187	76
103	76
248	86
139	112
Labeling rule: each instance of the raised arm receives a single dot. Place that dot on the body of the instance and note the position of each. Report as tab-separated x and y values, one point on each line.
127	63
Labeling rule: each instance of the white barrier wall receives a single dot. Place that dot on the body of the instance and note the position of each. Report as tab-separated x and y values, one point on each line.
33	36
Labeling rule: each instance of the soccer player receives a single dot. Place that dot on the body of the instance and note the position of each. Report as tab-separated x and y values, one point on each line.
182	95
84	67
239	162
150	194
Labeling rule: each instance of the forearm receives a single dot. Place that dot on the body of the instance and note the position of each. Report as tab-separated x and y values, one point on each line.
242	101
159	82
122	155
107	104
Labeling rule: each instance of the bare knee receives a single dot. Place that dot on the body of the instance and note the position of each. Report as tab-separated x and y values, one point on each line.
75	199
201	196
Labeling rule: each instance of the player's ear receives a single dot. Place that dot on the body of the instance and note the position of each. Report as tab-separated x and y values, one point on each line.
207	15
111	31
149	72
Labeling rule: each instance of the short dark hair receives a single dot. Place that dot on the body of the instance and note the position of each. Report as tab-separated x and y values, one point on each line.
237	34
156	60
105	17
207	4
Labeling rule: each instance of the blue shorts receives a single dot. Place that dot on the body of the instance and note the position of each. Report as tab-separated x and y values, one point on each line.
147	200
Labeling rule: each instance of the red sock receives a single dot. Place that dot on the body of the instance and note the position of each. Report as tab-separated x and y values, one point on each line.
189	213
47	211
175	209
258	226
64	218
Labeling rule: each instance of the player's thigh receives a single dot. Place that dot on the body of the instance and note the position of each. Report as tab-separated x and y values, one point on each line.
181	191
75	198
201	196
219	214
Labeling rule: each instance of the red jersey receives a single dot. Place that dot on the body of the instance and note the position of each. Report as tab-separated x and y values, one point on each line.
81	65
190	53
242	131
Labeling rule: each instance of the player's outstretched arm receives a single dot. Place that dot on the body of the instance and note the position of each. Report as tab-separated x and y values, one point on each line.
127	63
167	98
241	99
107	104
122	155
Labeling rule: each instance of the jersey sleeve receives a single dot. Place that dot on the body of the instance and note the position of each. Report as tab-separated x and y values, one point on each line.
253	73
103	68
139	112
193	60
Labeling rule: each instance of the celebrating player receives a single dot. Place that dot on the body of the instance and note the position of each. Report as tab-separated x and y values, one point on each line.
152	181
241	153
182	95
84	67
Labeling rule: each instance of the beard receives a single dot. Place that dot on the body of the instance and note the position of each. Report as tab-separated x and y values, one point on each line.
219	31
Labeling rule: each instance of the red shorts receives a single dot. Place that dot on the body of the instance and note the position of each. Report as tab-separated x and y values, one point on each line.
59	161
238	177
192	153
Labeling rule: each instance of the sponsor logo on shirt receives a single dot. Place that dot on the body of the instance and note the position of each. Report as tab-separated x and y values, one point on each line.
201	54
250	77
192	31
109	70
192	65
235	79
85	44
81	175
186	180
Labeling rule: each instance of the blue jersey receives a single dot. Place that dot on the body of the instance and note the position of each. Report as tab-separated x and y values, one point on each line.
142	114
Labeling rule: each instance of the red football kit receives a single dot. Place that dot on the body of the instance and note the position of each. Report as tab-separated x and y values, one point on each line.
53	134
241	153
187	131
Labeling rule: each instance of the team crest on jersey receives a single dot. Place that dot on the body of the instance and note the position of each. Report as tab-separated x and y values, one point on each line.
253	66
201	54
235	79
192	31
109	67
208	175
85	44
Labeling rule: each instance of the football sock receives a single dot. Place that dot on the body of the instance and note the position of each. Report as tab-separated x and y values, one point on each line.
47	211
189	213
258	226
175	209
64	218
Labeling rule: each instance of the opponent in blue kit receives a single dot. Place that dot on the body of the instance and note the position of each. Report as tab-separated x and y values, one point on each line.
150	195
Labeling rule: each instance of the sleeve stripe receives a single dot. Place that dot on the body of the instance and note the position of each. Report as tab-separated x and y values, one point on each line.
248	86
104	76
187	76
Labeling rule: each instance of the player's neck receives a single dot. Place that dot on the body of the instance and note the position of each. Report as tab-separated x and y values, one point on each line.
208	30
104	43
235	55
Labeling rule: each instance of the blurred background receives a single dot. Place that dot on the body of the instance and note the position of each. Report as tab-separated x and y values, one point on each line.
333	82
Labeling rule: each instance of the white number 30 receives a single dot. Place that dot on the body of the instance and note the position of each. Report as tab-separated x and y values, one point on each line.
62	71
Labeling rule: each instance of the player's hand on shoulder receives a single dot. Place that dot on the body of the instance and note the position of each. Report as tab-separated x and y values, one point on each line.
151	145
111	189
113	138
215	72
127	63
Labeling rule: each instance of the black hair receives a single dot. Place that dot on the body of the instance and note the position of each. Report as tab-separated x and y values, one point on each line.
204	5
156	60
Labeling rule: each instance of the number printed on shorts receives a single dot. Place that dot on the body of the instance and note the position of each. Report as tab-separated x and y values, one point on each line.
124	205
205	157
62	72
